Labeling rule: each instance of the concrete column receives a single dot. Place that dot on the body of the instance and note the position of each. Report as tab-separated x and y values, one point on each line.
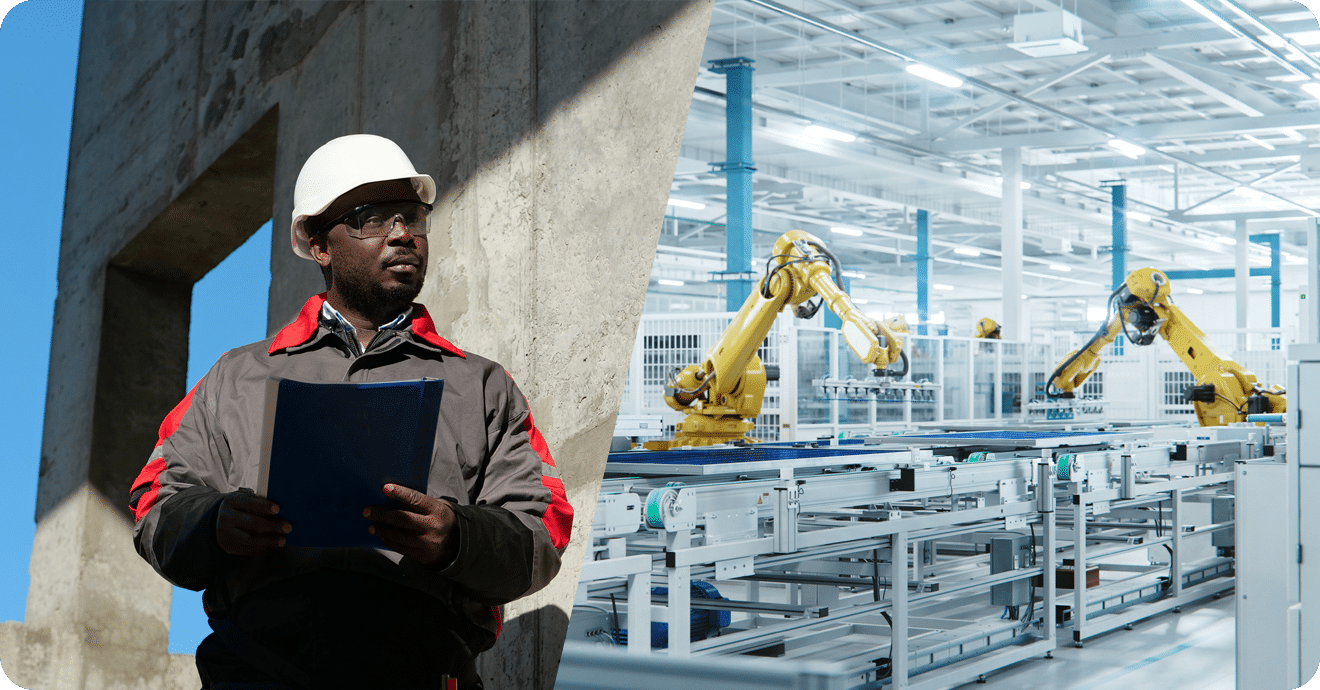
1242	276
552	166
1010	243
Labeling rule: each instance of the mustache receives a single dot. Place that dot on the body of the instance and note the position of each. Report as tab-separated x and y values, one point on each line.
402	258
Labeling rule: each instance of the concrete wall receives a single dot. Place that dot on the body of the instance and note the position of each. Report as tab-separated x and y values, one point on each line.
552	130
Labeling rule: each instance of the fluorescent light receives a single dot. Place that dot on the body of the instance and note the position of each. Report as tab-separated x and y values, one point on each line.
1208	14
1263	144
671	283
854	274
1025	185
1226	240
937	317
942	286
859	300
911	317
932	74
1138	215
966	251
1195	291
1060	267
822	132
683	203
846	231
1293	259
1127	148
1096	313
1312	88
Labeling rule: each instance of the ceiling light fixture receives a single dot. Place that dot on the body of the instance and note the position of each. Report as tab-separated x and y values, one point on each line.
1312	87
1211	15
1195	291
1226	240
931	74
966	251
671	283
1060	267
1138	215
854	274
823	132
942	286
1127	148
683	203
846	231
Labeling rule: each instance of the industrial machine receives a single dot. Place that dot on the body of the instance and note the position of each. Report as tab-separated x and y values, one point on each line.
920	561
1142	308
987	328
723	394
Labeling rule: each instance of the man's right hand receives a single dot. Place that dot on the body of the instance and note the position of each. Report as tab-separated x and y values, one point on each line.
247	525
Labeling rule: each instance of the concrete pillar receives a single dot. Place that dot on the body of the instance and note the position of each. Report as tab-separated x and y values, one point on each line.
1010	243
191	121
1242	276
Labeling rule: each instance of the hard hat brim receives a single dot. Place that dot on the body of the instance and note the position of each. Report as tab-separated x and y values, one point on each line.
298	237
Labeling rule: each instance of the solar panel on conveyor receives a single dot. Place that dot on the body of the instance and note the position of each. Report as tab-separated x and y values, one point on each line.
718	456
1011	435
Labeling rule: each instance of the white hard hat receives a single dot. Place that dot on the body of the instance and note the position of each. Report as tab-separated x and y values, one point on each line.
344	164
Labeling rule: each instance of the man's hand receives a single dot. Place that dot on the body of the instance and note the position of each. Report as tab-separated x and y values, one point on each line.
425	529
247	525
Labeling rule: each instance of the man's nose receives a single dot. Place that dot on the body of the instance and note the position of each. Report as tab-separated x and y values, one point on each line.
399	232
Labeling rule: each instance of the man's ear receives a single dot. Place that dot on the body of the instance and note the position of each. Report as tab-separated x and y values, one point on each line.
320	249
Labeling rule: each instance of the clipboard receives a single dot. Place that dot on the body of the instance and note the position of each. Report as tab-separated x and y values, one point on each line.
328	448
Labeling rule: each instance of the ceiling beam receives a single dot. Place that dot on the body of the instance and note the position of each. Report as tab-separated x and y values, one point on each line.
1199	84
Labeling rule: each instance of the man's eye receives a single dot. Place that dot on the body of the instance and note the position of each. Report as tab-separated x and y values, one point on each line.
373	219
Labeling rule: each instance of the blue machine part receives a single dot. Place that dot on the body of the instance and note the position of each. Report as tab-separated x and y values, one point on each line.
704	622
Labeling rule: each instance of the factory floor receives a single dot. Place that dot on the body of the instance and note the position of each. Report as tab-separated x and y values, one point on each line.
1192	650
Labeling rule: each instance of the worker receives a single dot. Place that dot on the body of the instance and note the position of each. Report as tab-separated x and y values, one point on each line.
489	528
987	328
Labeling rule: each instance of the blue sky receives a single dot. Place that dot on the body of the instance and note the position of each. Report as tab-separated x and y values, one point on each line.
38	61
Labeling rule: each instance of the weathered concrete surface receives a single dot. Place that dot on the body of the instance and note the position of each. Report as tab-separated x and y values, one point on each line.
552	130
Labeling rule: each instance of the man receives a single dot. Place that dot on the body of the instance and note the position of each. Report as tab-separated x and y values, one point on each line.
489	528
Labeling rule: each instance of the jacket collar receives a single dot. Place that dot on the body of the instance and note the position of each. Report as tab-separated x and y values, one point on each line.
305	326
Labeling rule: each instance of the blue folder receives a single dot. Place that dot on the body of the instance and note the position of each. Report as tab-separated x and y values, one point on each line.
329	448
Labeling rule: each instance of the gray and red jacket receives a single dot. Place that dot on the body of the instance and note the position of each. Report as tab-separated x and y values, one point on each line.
514	517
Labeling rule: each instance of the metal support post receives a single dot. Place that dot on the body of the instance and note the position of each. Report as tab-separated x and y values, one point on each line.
738	168
1118	246
898	647
679	613
1175	558
996	386
1045	505
923	270
1276	281
1010	243
1079	571
1241	275
639	613
1312	303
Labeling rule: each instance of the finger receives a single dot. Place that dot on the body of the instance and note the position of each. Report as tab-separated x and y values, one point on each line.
251	503
398	519
241	543
406	543
413	500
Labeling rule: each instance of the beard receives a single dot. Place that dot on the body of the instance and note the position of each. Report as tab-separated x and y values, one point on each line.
370	298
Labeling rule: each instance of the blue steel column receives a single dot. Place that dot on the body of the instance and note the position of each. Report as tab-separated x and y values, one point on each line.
738	169
1118	197
1275	279
923	270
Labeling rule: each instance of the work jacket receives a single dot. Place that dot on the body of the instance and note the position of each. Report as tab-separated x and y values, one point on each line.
489	457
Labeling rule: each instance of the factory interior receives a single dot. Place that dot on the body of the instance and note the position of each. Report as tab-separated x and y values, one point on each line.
974	354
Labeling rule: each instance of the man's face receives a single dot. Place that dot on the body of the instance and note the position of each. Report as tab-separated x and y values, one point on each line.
371	275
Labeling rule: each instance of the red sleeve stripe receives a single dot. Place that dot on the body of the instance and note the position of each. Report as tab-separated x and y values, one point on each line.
150	475
559	516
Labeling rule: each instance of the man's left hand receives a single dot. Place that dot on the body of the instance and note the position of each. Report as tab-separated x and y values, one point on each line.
425	529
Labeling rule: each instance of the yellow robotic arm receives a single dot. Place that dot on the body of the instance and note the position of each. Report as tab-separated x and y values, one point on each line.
1224	392
723	394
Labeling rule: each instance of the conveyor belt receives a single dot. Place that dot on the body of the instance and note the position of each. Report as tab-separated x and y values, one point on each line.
1018	439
